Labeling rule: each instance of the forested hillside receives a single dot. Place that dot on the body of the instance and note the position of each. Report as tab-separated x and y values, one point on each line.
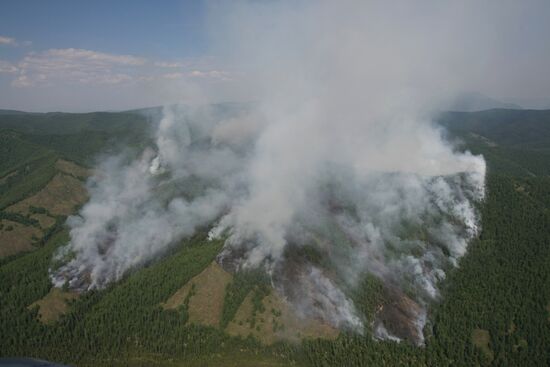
514	142
495	308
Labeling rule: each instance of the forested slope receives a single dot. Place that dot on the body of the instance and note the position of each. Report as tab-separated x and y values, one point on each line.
495	308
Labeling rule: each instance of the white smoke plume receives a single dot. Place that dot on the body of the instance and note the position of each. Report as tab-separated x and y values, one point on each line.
339	152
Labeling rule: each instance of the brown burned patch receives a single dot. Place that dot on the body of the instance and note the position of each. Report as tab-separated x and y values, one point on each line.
277	321
16	237
72	169
481	339
399	316
205	295
59	197
53	305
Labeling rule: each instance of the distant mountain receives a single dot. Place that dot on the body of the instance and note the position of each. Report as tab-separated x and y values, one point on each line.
11	112
473	101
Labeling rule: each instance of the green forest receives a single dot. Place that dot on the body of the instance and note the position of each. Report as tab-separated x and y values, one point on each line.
494	310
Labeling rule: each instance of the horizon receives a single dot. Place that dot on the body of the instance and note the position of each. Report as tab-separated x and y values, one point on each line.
519	108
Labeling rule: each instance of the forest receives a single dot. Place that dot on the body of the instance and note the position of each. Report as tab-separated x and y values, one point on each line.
494	309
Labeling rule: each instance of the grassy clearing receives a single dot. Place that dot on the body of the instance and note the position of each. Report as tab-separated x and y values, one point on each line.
44	220
59	197
72	169
31	177
242	284
262	314
274	321
16	237
53	305
481	339
203	295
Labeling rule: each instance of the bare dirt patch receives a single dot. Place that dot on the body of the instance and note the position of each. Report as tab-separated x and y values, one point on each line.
72	169
481	339
206	293
60	196
53	305
16	237
277	321
398	315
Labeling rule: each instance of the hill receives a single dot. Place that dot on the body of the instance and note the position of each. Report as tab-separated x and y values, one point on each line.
472	102
11	112
186	309
515	142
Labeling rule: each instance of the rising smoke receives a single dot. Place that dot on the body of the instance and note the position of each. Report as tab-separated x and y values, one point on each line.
339	155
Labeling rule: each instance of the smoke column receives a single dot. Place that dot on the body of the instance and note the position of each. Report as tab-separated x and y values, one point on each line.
338	153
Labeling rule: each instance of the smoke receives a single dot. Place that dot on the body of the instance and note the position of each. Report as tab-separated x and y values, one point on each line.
339	156
138	208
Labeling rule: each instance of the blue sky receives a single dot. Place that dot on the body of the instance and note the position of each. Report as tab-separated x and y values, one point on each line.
164	29
83	55
63	55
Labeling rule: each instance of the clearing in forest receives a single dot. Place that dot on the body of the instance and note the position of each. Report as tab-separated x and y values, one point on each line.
72	169
275	321
53	305
59	197
481	339
205	295
16	237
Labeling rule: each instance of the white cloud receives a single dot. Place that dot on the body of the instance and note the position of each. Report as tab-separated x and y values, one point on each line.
76	66
7	67
163	64
87	67
94	57
212	74
173	75
8	41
